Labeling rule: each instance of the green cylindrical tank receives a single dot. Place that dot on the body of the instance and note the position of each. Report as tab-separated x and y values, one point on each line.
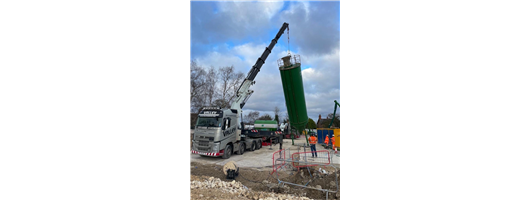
266	125
293	90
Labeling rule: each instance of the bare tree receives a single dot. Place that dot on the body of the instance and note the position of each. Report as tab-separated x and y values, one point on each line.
197	86
236	82
286	116
225	75
211	82
265	117
251	116
229	83
221	103
211	87
277	114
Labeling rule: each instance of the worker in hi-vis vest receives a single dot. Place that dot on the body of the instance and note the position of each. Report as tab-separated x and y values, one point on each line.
333	141
313	143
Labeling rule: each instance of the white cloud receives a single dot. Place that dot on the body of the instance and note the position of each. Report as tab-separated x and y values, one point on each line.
251	10
242	57
314	26
322	83
217	60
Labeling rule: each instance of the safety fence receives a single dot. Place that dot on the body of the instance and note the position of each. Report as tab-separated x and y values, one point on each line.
311	158
278	159
300	159
283	159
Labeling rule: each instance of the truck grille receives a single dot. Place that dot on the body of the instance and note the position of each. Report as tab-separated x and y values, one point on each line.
204	137
203	143
203	149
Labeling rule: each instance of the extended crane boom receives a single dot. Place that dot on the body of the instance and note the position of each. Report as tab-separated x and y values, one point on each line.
261	60
243	93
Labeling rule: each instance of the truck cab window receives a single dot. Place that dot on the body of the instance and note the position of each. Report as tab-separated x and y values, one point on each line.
208	122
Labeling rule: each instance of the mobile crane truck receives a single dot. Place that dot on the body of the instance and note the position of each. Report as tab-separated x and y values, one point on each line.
218	131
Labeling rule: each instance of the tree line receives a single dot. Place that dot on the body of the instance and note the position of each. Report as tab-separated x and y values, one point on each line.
213	87
255	115
324	123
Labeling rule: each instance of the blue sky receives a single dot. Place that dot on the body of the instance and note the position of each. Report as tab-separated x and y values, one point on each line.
236	33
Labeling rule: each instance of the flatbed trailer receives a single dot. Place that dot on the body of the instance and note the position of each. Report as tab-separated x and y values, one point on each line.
268	137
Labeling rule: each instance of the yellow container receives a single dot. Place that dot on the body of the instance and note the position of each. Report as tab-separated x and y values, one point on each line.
337	137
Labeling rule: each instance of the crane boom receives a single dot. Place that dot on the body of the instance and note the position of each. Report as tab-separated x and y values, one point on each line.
261	60
244	92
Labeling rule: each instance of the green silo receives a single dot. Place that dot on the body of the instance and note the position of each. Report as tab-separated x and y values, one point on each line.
293	90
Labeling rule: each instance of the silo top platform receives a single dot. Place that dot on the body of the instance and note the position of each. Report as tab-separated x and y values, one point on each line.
289	62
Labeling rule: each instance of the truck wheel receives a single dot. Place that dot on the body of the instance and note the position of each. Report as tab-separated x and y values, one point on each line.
242	149
228	152
253	146
259	144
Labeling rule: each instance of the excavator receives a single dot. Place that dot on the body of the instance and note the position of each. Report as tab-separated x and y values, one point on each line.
319	122
334	111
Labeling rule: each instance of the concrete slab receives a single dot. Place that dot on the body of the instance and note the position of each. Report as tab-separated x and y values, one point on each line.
261	158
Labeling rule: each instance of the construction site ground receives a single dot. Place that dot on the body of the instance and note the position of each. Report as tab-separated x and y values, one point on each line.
255	181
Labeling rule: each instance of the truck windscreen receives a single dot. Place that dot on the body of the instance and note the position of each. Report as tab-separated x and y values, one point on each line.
209	122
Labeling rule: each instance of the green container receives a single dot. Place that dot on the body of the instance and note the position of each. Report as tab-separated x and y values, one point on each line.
266	125
293	90
265	122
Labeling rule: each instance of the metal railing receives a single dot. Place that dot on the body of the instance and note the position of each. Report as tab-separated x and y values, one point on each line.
300	160
295	59
276	162
322	157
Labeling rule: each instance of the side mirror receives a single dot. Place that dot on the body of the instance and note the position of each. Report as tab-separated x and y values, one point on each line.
224	124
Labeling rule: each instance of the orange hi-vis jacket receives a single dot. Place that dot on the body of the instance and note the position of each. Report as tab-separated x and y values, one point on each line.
333	140
312	140
327	140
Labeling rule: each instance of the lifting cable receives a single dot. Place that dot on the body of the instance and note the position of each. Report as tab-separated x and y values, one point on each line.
288	43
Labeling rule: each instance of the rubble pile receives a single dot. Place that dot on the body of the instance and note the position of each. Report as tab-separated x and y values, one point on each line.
229	187
238	189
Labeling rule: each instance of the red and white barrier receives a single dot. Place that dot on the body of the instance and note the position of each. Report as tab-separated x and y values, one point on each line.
207	153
